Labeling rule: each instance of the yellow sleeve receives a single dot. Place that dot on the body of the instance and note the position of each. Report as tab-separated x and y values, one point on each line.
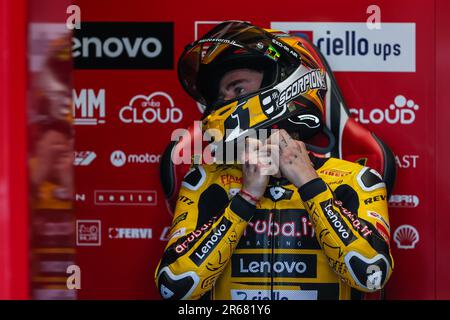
355	243
206	228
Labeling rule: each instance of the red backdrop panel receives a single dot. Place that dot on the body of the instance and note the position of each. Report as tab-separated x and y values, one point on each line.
119	190
13	178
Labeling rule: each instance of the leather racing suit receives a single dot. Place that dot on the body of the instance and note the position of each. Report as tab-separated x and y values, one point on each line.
321	241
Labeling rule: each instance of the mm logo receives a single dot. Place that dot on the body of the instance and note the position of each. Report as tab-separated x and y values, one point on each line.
88	107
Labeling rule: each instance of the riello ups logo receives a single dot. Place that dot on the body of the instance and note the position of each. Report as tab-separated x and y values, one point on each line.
123	45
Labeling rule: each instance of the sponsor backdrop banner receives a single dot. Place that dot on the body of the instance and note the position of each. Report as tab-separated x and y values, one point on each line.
127	101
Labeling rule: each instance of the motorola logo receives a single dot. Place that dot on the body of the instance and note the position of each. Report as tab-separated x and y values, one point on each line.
118	158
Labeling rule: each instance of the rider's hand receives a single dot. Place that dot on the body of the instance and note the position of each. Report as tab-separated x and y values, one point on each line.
255	179
295	164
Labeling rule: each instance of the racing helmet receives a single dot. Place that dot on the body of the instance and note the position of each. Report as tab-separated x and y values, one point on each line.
293	88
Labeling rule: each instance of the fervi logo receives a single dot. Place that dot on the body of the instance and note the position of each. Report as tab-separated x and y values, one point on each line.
119	158
402	111
156	107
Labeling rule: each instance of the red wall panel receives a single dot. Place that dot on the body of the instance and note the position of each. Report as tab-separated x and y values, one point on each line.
123	267
13	144
442	172
124	197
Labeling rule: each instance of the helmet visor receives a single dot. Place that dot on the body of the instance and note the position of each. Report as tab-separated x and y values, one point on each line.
224	45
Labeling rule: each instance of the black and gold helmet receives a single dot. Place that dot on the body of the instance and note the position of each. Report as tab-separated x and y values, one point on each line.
293	87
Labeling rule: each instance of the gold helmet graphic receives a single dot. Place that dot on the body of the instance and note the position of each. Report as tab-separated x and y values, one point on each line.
293	87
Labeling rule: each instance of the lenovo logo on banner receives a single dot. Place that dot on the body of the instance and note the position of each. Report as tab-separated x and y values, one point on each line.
123	45
125	197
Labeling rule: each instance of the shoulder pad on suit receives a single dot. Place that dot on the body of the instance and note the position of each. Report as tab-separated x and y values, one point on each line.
369	179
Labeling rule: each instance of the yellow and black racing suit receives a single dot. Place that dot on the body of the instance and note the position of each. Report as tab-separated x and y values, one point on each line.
321	241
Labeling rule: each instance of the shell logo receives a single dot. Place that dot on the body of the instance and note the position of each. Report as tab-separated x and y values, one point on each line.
406	237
